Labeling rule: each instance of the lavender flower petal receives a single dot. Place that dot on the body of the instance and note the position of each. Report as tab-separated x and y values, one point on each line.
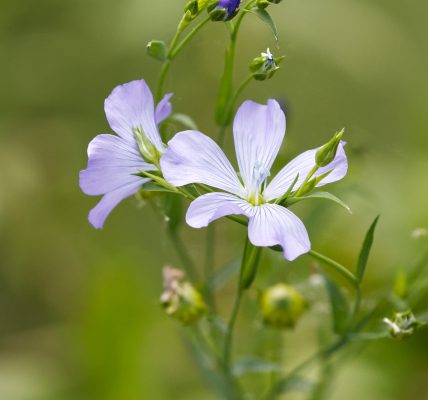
212	206
258	132
131	106
192	157
113	162
301	165
273	224
100	212
163	109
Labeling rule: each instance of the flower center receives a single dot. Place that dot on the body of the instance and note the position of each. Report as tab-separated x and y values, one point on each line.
258	183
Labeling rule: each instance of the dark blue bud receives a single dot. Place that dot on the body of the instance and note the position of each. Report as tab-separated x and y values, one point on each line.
229	5
223	10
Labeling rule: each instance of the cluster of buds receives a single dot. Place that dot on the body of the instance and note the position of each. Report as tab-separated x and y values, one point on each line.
180	299
402	324
265	3
281	306
265	66
191	10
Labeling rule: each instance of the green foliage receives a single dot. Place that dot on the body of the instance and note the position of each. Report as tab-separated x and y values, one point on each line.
365	250
266	18
339	306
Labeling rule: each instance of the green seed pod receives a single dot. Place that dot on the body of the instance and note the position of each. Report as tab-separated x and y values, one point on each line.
281	306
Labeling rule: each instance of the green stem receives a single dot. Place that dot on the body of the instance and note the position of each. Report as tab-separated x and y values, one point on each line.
182	253
337	267
241	87
228	341
209	264
308	177
178	244
322	354
174	50
250	260
161	81
224	106
349	276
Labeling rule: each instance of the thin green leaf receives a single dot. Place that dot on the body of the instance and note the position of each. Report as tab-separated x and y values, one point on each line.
253	365
267	19
155	187
320	195
365	251
339	306
185	120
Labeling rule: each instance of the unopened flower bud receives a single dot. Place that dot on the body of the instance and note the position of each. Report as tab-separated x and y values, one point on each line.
180	299
223	10
147	149
265	66
281	306
192	6
402	324
264	3
326	153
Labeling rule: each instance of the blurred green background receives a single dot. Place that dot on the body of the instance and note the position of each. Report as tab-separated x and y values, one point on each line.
79	308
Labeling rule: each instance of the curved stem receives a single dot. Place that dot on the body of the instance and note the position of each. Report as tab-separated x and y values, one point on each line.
161	80
322	354
349	276
174	49
241	87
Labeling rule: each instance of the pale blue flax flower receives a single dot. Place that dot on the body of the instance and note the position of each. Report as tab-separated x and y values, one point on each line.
114	162
192	157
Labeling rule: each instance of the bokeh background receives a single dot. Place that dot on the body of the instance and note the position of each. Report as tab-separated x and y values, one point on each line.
79	308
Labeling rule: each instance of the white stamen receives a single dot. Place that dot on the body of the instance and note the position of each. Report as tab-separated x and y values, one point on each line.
258	182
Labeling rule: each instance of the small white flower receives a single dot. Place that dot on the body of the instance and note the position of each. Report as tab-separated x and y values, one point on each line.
268	55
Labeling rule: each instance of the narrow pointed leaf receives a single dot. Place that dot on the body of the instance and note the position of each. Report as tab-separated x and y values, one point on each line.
155	187
365	251
320	195
267	19
339	306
